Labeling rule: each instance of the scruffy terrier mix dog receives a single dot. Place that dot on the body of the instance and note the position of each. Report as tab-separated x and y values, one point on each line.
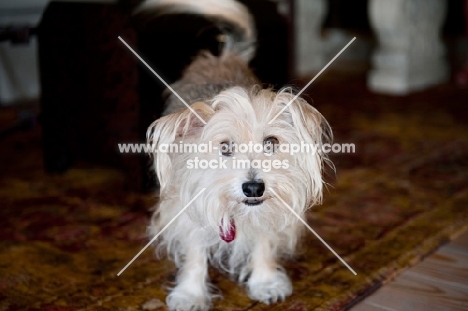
240	222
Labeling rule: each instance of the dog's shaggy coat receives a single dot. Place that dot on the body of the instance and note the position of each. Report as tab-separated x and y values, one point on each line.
238	223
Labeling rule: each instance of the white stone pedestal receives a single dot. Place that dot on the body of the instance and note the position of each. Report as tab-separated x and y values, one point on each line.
308	18
410	54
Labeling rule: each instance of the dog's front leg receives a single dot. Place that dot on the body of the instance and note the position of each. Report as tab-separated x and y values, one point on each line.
192	291
268	282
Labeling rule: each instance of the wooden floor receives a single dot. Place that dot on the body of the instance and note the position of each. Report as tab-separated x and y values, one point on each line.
440	282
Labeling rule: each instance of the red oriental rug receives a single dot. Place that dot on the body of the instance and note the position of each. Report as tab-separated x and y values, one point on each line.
63	238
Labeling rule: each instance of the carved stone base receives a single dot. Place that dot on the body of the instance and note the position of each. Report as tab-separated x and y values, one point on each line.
407	78
410	55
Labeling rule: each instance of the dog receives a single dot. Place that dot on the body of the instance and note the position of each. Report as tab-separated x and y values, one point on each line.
239	220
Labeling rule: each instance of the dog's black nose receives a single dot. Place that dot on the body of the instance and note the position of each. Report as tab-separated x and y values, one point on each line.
253	189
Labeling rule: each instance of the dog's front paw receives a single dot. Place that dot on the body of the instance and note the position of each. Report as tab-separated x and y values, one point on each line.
270	288
181	300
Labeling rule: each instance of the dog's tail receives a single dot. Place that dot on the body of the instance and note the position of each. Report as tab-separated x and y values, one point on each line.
230	16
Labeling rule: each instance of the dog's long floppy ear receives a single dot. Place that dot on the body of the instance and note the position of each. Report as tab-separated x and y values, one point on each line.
311	128
182	124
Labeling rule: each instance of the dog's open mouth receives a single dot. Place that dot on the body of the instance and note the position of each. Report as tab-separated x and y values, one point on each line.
253	202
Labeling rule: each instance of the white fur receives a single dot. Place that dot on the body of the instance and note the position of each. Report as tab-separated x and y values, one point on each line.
265	232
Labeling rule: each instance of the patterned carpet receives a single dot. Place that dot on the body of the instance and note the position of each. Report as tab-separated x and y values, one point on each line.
63	238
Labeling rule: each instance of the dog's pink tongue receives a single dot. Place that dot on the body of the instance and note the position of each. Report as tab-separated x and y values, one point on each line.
230	235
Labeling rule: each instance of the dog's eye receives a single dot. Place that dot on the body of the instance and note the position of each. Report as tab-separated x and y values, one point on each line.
270	144
226	148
